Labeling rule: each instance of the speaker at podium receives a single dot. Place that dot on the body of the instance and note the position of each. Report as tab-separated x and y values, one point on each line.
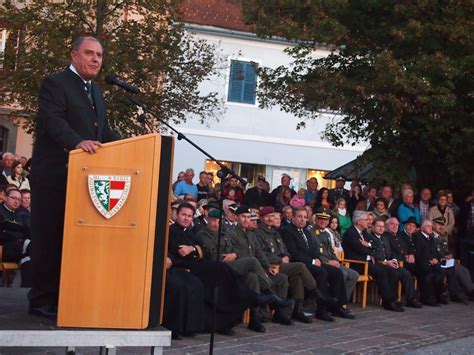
116	235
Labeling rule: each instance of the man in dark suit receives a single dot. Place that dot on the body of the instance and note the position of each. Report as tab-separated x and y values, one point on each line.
387	256
329	279
428	265
257	197
356	247
339	191
71	115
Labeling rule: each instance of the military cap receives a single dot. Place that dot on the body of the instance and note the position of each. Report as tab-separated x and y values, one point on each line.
440	220
341	177
211	204
243	209
412	220
254	216
266	210
214	214
323	213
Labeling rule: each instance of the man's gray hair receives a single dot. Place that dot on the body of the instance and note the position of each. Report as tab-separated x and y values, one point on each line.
8	154
188	171
358	215
425	223
79	40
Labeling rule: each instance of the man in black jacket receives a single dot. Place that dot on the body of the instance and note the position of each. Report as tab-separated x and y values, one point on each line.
357	247
329	279
71	115
387	256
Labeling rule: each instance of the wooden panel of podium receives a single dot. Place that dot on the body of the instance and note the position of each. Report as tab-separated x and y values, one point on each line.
116	234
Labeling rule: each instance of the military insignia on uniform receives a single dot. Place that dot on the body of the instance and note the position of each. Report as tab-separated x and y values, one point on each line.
109	192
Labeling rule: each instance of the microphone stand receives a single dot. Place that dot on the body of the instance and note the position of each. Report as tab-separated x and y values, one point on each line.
222	174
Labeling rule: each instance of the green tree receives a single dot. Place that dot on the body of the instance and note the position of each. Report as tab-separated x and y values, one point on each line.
143	42
400	73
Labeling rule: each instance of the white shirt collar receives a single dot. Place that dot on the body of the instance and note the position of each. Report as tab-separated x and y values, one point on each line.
426	235
74	70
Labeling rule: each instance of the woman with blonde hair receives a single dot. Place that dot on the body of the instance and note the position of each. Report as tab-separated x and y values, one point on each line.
342	215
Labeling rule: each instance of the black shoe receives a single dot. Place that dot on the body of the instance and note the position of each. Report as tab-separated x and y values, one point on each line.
226	331
325	316
48	311
414	303
301	317
343	313
394	307
281	319
279	302
327	300
256	327
265	299
176	336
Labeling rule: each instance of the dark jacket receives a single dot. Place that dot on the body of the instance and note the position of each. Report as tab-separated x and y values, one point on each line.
255	198
208	240
353	248
183	236
424	252
65	118
271	244
244	244
322	240
297	247
381	247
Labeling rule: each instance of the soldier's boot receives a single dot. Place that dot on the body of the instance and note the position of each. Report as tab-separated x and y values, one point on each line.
255	322
298	313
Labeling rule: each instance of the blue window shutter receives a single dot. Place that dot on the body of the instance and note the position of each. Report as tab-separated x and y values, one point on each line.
242	83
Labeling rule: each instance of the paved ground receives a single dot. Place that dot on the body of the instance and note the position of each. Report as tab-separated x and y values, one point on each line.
444	330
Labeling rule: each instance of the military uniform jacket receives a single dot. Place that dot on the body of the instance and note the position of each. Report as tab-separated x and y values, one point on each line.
322	241
440	246
208	240
244	244
12	226
271	244
407	243
398	246
381	247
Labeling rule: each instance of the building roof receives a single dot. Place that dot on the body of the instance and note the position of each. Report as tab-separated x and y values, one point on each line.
217	13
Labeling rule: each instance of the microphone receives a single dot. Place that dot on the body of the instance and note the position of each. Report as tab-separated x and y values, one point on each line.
113	80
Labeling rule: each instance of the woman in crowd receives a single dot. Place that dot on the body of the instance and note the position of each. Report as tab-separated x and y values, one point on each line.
342	215
356	197
443	210
408	209
380	209
322	199
334	232
283	198
456	209
17	178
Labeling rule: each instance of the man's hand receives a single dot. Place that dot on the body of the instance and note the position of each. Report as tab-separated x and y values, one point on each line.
285	260
334	263
317	262
229	257
168	263
434	261
364	243
185	250
411	259
89	146
272	271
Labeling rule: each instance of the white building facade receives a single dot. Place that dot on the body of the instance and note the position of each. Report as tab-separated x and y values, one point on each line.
251	140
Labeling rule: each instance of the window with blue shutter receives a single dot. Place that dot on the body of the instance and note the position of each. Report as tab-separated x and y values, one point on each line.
242	82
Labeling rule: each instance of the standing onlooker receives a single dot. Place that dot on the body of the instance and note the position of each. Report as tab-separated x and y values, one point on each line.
339	191
387	193
285	182
342	215
452	204
257	196
443	210
380	209
425	203
203	186
178	179
186	186
7	162
283	198
17	178
322	199
407	208
311	191
238	192
355	198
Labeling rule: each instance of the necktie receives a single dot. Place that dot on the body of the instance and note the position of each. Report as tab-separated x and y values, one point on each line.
304	237
89	92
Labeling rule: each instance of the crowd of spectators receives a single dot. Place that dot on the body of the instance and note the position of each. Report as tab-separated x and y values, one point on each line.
15	222
403	235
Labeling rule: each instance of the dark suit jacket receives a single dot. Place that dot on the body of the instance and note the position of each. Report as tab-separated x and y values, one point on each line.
424	252
66	117
353	248
382	248
253	199
296	245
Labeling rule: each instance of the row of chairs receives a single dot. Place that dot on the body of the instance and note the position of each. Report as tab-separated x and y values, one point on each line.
6	268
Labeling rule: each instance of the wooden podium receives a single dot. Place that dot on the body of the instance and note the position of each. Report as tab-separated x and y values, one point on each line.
116	235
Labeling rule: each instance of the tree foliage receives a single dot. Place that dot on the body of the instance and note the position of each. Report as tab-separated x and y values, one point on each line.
143	44
400	73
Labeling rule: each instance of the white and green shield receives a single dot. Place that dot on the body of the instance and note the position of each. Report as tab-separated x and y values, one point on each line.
109	192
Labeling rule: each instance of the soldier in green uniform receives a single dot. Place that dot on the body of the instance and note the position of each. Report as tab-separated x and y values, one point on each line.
275	250
249	268
322	241
460	285
244	244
